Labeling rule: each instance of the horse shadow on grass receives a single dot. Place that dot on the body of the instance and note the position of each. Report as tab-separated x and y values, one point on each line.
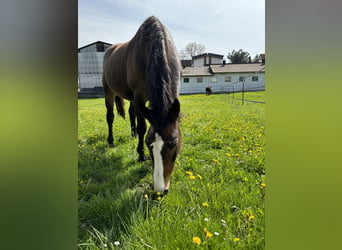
111	189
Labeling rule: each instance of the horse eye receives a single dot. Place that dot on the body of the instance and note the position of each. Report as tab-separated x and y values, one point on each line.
172	143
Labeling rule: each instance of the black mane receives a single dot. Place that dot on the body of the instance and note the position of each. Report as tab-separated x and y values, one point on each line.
161	82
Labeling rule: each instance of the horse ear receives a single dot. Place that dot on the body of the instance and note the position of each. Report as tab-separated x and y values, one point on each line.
146	112
175	110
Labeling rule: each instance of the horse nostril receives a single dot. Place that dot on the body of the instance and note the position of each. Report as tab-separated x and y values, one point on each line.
166	191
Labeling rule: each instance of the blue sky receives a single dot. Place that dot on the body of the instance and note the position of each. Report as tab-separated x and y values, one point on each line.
220	25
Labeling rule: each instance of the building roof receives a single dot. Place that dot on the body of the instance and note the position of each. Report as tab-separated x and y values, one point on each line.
238	68
186	63
196	71
207	54
97	42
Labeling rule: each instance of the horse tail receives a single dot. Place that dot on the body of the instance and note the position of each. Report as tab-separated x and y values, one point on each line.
120	106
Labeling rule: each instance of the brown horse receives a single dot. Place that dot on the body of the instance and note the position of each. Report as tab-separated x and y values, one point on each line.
147	69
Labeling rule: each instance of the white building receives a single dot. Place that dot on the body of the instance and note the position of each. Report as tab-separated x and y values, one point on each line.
207	69
206	59
90	68
223	78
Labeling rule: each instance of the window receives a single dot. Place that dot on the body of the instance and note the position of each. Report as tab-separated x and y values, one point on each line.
186	80
199	79
100	47
228	79
241	78
255	78
214	79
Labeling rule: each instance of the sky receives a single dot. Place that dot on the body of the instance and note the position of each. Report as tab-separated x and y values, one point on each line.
220	25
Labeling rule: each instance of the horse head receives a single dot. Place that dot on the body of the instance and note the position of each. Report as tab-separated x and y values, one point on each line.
164	143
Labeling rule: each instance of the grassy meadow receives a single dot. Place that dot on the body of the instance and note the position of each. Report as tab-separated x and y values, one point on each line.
217	194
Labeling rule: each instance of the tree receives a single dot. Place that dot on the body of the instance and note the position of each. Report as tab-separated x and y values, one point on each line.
192	49
239	56
256	58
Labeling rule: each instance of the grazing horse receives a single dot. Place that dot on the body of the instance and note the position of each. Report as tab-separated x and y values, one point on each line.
147	69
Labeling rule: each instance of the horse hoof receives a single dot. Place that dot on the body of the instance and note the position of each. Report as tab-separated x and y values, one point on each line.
166	191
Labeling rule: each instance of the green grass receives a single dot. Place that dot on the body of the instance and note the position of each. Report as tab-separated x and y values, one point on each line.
223	142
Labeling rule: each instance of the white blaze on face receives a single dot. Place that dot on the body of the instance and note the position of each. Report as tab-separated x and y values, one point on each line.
158	172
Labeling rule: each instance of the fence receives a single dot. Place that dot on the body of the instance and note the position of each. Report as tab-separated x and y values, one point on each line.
232	93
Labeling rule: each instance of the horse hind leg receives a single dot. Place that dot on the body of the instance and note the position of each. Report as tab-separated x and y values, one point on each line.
132	117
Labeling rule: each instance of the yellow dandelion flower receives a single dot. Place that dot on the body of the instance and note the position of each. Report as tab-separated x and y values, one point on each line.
192	177
158	198
145	196
236	239
158	193
208	234
263	184
205	204
200	177
228	154
196	240
189	172
251	217
216	161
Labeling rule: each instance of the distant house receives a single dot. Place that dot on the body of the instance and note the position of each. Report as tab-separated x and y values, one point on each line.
90	68
206	59
262	58
223	78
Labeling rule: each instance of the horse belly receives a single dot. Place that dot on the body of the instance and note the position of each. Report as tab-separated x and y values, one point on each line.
117	82
121	89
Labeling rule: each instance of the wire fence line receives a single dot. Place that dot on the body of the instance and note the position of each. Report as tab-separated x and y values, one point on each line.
235	91
233	94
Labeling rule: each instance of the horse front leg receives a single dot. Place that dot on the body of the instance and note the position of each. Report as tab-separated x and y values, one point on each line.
109	101
132	116
141	129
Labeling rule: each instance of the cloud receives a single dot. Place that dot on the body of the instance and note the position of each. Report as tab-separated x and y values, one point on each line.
219	25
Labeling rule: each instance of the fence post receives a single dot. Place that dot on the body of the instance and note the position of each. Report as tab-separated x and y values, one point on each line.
243	92
233	92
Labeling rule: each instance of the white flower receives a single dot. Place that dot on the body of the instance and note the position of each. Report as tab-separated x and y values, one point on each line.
105	245
216	233
223	221
116	243
206	219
